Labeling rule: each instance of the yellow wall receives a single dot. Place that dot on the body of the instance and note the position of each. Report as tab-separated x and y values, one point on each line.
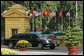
13	23
26	24
16	18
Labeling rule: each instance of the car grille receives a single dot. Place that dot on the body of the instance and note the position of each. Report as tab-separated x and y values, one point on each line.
53	42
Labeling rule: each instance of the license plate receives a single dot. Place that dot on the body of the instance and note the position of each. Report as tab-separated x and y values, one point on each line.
55	44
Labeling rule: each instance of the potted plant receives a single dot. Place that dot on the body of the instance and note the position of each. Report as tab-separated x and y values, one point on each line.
72	39
22	44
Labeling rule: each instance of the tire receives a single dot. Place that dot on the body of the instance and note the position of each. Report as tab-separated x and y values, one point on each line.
40	46
52	47
58	45
11	45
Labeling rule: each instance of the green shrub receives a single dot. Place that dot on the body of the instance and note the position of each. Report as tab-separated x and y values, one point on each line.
22	43
72	36
29	45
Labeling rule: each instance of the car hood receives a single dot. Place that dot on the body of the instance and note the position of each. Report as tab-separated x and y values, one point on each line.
51	40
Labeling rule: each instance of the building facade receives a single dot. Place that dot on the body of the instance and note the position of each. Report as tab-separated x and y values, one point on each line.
16	20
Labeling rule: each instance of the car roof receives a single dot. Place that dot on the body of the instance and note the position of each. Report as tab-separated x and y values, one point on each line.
35	32
23	33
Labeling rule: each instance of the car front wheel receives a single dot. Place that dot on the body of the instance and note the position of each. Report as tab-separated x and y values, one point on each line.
52	47
40	46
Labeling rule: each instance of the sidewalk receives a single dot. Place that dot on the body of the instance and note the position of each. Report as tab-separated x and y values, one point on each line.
61	50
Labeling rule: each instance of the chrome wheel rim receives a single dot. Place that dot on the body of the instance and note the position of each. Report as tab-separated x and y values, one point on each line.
10	45
39	46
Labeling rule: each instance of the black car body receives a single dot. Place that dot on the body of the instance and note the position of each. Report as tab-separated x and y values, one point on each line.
37	40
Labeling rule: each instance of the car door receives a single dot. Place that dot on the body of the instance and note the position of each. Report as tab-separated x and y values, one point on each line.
14	38
28	37
34	40
31	38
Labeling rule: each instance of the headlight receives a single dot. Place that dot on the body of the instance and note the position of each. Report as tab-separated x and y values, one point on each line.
47	41
57	42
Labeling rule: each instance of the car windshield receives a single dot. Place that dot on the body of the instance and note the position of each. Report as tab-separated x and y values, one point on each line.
40	35
47	36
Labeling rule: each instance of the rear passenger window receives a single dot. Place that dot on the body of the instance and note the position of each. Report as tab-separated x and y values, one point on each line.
15	37
27	36
21	36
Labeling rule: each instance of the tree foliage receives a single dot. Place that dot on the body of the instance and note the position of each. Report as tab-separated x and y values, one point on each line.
72	36
51	5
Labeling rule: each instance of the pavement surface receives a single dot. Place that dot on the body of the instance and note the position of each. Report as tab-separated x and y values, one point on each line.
61	50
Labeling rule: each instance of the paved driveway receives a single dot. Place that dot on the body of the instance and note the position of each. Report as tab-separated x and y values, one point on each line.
62	50
47	51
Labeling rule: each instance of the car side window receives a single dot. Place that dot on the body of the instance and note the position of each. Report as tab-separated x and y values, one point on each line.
21	36
35	37
13	37
28	36
31	36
